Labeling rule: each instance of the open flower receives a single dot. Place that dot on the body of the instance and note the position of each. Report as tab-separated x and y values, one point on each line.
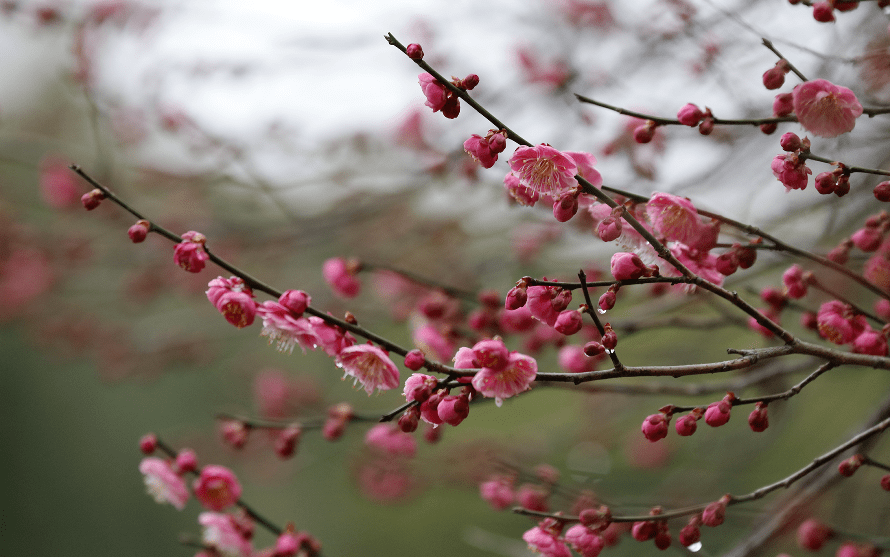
826	109
233	299
514	378
217	487
544	169
280	325
673	217
189	253
370	366
163	484
222	534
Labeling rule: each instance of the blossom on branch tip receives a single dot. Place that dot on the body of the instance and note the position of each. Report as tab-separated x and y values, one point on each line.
758	420
217	488
370	366
826	109
485	150
162	483
189	253
544	169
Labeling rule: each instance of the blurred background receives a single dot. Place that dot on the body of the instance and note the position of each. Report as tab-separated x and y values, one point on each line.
290	134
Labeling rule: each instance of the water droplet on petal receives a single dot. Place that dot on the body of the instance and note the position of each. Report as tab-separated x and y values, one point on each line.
601	311
694	547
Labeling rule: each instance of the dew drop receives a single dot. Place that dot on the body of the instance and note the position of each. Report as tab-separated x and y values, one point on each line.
694	547
601	311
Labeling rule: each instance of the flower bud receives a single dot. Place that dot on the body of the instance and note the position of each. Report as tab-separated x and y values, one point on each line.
823	12
687	425
454	409
610	338
783	105
655	428
414	51
569	322
139	231
610	229
516	297
295	300
773	78
607	300
234	433
882	191
843	185
566	206
789	142
718	413
643	531
758	420
148	444
645	132
690	115
812	534
470	82
92	199
410	419
286	441
715	513
769	128
186	461
848	467
706	126
593	349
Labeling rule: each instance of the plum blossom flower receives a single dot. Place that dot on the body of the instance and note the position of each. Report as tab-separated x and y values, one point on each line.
189	253
340	276
514	378
281	327
789	169
546	302
222	534
522	194
544	169
439	97
485	150
389	439
838	323
162	483
826	109
233	299
584	541
217	487
673	217
498	492
544	539
585	163
370	366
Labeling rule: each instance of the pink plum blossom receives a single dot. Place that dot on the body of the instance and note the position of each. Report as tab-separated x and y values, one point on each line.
340	276
791	171
233	299
429	339
838	323
189	253
370	366
826	109
221	533
584	541
389	439
673	217
162	483
282	328
439	97
544	539
870	342
628	266
655	427
217	488
419	387
585	163
522	194
513	379
546	302
544	169
498	492
690	115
